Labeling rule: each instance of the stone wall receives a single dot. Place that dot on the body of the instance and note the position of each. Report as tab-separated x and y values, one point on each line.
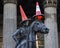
59	39
1	37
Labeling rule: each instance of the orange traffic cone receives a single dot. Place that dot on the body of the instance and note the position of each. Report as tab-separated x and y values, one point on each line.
38	11
38	15
23	15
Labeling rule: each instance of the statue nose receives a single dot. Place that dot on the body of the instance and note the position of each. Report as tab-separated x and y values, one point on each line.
46	30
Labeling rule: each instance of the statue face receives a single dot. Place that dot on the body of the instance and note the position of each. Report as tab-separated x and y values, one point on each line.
26	23
39	26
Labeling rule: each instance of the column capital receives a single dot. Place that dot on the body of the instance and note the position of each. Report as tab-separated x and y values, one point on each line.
10	1
50	3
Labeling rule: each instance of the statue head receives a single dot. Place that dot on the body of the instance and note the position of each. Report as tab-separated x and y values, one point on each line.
39	26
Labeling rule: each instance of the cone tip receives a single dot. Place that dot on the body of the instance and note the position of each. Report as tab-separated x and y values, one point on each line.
37	3
20	6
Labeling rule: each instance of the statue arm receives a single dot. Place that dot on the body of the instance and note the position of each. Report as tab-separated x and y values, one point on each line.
15	35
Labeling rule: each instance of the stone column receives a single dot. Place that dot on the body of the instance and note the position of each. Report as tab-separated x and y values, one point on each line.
50	10
9	23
